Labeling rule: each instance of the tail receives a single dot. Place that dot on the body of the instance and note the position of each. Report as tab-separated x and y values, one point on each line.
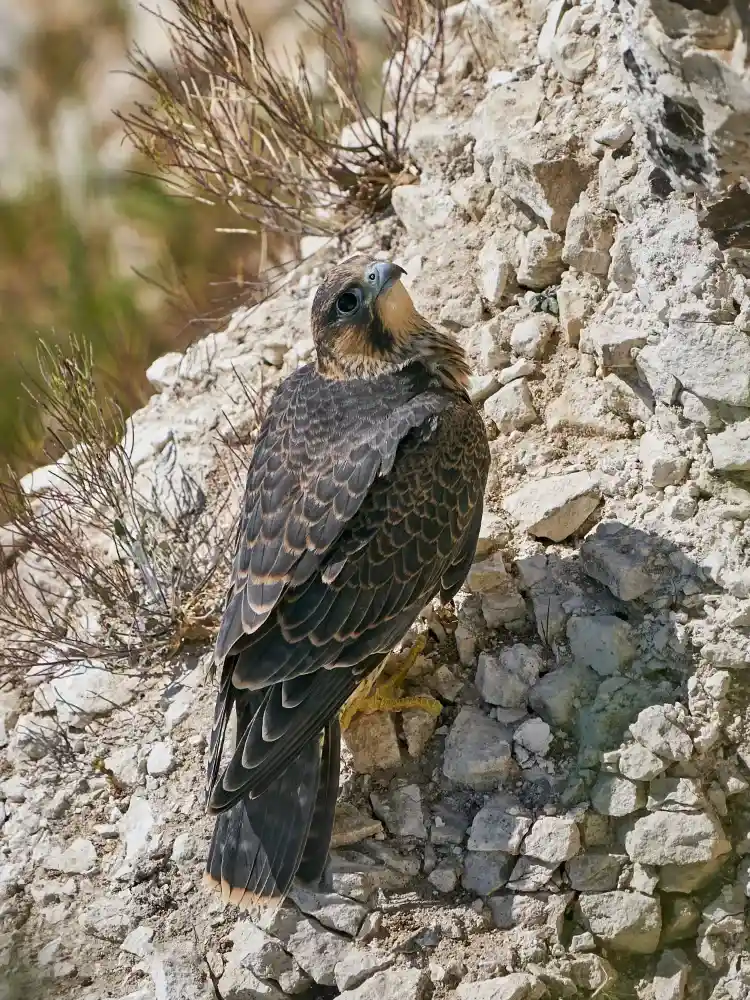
312	866
259	845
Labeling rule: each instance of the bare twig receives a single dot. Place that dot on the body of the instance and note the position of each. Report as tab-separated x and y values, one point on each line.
230	125
111	572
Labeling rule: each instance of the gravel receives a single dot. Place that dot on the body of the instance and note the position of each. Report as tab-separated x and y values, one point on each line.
580	801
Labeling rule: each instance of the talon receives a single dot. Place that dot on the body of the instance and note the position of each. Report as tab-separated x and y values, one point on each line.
421	703
376	695
361	697
408	660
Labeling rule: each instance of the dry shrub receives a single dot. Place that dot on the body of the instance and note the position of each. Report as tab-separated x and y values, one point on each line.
108	571
227	125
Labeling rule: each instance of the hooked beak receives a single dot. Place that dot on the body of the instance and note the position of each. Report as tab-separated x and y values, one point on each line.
380	276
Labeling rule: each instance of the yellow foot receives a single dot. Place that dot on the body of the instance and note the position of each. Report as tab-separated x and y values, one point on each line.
377	695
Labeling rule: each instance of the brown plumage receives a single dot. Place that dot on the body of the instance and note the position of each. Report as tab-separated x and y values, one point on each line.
363	502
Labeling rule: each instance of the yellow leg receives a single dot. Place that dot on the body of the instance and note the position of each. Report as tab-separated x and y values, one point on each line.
375	694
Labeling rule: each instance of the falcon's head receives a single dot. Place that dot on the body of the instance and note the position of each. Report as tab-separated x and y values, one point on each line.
364	324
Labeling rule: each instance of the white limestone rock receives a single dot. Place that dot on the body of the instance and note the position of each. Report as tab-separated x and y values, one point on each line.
602	642
530	336
477	751
662	461
663	838
512	408
588	238
552	840
500	825
613	795
658	729
624	921
710	360
730	450
541	260
505	678
555	506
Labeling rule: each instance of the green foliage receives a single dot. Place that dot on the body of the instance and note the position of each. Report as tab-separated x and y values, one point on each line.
59	275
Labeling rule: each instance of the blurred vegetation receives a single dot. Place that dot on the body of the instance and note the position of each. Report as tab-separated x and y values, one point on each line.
58	278
91	245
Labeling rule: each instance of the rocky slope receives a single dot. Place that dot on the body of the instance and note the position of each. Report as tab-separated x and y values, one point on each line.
577	822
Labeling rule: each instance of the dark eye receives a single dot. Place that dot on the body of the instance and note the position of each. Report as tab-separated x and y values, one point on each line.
372	276
348	302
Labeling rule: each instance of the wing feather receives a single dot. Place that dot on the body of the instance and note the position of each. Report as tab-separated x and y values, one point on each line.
311	470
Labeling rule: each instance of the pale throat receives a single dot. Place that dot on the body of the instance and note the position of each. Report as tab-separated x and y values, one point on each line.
414	337
398	315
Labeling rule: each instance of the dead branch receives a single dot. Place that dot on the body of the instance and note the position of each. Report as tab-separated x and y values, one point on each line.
231	125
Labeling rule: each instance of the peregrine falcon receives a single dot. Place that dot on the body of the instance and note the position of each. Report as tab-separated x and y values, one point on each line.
363	502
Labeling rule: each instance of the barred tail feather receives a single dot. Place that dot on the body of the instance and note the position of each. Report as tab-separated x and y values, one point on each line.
260	844
312	866
257	843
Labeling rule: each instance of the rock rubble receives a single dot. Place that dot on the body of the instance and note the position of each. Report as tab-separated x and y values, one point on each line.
576	823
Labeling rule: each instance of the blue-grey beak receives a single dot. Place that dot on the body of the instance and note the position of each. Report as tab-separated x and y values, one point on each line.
379	277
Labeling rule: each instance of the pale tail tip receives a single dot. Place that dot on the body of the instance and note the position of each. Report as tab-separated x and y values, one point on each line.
240	896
